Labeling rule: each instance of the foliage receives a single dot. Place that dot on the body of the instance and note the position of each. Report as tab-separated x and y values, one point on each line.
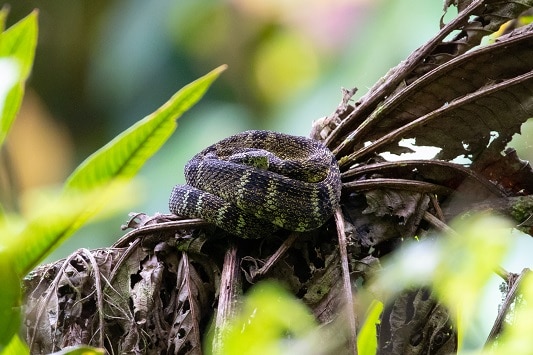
17	49
457	266
99	180
171	284
468	104
271	321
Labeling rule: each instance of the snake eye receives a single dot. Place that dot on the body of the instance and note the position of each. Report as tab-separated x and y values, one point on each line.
258	159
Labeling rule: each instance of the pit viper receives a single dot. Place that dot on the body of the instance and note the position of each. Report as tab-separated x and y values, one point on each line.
253	183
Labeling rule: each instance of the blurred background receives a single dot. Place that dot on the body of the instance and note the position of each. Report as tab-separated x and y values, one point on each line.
102	65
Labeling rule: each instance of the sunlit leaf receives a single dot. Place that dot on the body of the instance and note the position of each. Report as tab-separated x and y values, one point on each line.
126	154
9	78
19	41
18	45
367	337
270	319
456	266
58	220
412	266
10	293
100	178
99	181
80	350
15	347
469	259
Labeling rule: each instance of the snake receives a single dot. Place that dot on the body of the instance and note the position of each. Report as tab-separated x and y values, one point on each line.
257	182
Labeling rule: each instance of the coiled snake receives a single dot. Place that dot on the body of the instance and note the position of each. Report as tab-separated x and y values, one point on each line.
254	182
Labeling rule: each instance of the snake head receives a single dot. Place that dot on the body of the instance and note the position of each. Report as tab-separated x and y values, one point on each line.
256	158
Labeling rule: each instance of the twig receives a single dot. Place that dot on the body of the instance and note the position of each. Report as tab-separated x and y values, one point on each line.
443	227
271	261
504	310
352	339
158	227
230	293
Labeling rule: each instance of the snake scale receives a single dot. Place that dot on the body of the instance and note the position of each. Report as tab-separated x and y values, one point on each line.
256	182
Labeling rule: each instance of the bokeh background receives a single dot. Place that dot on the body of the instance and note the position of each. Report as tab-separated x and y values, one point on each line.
101	65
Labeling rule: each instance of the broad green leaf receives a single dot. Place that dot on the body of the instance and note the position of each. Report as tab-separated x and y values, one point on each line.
18	44
58	220
17	50
19	41
125	155
99	180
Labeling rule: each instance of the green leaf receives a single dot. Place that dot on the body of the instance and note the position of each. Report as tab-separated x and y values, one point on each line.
17	46
456	266
19	41
101	178
10	75
469	259
80	350
367	337
271	319
10	293
15	347
125	155
56	221
99	181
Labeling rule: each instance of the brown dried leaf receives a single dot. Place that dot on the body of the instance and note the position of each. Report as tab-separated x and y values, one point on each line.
461	106
185	335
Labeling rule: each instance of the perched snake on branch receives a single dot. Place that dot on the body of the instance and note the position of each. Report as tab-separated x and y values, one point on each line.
254	182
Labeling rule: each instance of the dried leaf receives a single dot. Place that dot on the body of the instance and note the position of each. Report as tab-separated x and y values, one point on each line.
461	106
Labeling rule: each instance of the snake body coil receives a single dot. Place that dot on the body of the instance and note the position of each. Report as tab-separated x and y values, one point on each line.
253	182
